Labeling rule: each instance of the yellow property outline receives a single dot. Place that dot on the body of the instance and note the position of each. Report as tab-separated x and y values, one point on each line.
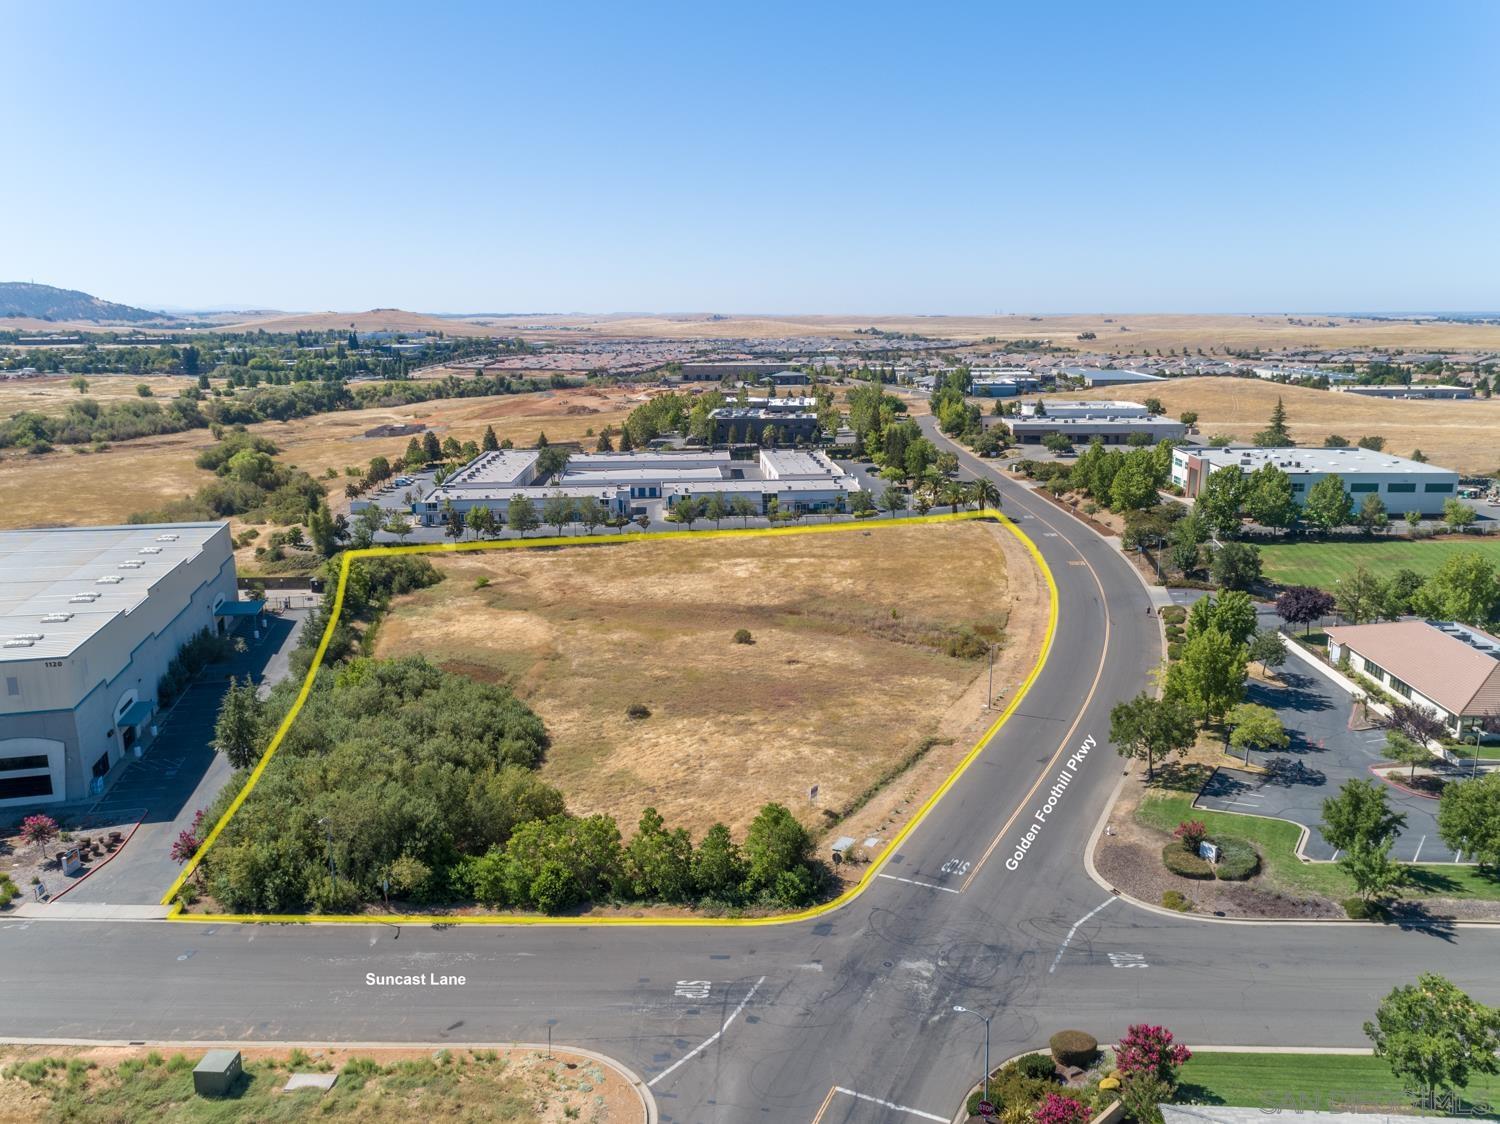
843	899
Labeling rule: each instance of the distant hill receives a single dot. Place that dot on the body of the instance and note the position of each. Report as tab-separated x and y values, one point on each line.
45	302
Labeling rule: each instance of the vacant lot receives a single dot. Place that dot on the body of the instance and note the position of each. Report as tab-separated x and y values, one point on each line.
1322	564
845	680
52	395
1458	435
105	1084
68	488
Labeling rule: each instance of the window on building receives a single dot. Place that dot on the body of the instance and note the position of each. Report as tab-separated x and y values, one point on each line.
12	686
101	766
1437	487
16	788
1299	487
1364	486
1400	688
30	761
1374	670
1405	486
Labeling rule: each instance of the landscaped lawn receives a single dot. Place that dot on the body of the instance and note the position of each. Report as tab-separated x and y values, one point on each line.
1277	842
1322	563
1307	1082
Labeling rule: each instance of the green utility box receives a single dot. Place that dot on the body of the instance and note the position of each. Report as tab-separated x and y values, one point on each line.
217	1073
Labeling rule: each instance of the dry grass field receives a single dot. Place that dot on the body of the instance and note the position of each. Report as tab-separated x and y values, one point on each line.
70	488
1459	435
52	395
841	684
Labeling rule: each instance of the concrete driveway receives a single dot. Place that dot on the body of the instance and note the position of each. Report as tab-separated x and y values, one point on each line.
1325	751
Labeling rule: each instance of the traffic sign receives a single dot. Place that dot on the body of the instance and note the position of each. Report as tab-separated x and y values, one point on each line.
986	1109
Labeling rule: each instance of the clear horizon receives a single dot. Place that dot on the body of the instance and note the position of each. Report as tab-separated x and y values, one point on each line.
856	160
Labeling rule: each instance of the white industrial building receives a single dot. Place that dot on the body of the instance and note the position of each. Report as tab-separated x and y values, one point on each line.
643	482
1083	408
90	617
1108	376
1402	485
1415	390
1301	374
1083	422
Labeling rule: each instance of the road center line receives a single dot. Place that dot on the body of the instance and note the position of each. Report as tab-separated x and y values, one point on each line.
890	1105
712	1038
914	882
1418	855
1062	948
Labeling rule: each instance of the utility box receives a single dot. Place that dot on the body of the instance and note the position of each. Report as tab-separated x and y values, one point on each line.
216	1074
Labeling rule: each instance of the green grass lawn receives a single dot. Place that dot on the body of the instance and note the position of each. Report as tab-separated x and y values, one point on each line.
1307	1082
1321	563
1277	842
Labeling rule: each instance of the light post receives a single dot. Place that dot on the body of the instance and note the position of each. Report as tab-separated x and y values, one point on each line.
986	1020
989	698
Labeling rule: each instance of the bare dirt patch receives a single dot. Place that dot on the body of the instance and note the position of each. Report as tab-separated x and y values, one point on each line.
845	684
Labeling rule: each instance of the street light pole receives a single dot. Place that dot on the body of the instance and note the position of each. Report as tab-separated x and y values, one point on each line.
986	1020
989	698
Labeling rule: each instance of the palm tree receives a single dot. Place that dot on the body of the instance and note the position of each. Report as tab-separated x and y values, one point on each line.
986	493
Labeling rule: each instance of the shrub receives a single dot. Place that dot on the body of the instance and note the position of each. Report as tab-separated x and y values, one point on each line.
1174	899
1238	860
1074	1048
1059	1109
742	636
480	583
188	895
1174	614
1192	833
1010	1088
1360	910
1040	1066
966	645
1180	862
637	711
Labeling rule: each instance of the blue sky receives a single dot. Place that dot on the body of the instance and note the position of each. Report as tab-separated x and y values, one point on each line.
764	157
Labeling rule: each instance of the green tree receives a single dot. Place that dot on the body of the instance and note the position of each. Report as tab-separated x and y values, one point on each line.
1463	589
413	457
1360	596
1434	1035
1373	517
240	728
716	509
1359	814
688	511
1376	876
1269	499
604	444
398	524
718	869
1469	819
1328	505
1231	612
776	843
1134	486
1210	676
1252	726
1220	499
986	494
1057	443
1458	515
521	516
658	862
1406	751
893	500
432	449
1400	588
1276	435
1236	566
861	502
1267	648
742	508
490	443
322	530
591	513
1151	729
557	510
452	450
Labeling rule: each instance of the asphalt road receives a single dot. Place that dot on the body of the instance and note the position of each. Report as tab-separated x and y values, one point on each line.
845	1018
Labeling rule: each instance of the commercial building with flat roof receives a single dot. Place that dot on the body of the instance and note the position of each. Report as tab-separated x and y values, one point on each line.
1451	669
749	424
90	617
1087	428
1415	390
1083	408
1403	485
1108	376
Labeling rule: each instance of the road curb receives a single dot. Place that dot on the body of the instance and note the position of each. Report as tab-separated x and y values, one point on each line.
93	870
633	1079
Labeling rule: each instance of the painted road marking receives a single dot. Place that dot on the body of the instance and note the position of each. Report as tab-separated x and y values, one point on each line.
955	866
890	1106
1243	803
914	882
1062	948
692	989
1127	960
712	1038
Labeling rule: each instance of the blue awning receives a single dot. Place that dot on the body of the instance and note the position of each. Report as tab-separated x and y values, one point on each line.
136	713
240	609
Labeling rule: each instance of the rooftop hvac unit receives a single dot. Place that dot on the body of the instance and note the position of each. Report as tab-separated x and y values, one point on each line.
133	564
149	550
29	636
166	538
83	598
56	618
19	643
109	579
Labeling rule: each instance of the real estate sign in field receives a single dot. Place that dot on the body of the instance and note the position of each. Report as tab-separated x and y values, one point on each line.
860	645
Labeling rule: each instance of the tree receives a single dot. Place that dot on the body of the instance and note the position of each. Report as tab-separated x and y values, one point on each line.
742	508
432	449
1256	727
986	494
490	443
1401	587
1376	876
557	510
1419	456
1275	435
1267	648
184	847
1361	596
1269	499
604	444
1188	418
240	728
1360	813
1134	485
687	510
1302	604
1210	676
717	867
1432	1034
521	516
1458	515
477	519
1417	722
39	830
1413	519
413	457
892	500
1463	589
1328	505
322	530
1232	613
1151	729
380	469
776	843
79	383
591	513
861	502
1469	819
716	509
1335	441
1406	751
658	862
1236	565
1148	1061
398	524
1154	406
1374	443
1220	499
1057	443
1373	516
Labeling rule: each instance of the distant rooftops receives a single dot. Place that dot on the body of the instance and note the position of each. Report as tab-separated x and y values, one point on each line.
496	468
61	585
1351	459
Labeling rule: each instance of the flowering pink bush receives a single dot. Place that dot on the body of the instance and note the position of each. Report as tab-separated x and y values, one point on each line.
1191	832
1058	1109
38	830
184	847
1148	1051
